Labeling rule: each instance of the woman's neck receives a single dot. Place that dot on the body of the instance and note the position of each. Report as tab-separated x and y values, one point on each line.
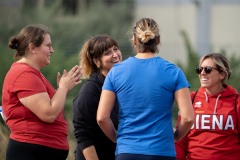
28	62
214	91
145	55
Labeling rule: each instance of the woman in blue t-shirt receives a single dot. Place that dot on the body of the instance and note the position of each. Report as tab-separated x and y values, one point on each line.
145	87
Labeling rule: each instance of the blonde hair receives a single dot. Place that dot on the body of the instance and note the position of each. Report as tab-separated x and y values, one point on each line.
222	64
146	30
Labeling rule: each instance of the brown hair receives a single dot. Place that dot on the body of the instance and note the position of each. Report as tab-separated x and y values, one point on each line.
94	47
146	31
29	34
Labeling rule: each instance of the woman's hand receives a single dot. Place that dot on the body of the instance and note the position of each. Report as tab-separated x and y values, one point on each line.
69	79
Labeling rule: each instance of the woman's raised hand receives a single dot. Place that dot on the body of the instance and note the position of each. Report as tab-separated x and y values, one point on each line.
70	79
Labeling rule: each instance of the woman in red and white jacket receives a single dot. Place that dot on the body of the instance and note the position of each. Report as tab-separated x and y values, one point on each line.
216	130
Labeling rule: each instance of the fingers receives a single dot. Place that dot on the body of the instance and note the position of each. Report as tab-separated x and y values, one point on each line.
71	78
65	72
58	78
76	73
74	69
78	82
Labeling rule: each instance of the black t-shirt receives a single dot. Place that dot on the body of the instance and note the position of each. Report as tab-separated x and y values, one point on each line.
86	130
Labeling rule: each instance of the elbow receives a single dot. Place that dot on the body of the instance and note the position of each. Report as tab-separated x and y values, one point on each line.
189	122
100	120
191	119
188	119
184	127
48	118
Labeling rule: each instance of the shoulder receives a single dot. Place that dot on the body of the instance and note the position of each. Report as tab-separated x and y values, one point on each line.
21	67
90	86
23	73
88	92
93	85
192	93
169	66
125	62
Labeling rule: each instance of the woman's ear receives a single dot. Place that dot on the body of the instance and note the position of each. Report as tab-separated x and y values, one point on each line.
223	75
134	40
31	48
97	62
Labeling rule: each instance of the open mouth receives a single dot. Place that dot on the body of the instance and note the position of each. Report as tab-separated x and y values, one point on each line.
115	61
204	79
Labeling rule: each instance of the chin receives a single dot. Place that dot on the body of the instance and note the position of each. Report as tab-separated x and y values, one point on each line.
46	64
204	85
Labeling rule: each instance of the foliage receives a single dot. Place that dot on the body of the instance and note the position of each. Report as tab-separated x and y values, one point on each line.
193	61
234	61
68	33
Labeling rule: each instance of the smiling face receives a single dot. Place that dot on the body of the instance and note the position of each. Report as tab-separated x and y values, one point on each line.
44	51
110	57
212	81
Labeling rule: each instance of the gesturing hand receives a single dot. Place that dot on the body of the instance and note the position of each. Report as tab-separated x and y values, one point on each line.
69	79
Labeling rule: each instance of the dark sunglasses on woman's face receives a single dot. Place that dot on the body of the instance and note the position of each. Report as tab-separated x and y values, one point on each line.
207	69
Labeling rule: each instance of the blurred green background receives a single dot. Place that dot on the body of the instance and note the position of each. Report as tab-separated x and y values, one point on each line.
71	22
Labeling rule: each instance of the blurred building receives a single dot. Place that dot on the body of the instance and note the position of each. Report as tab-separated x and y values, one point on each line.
211	25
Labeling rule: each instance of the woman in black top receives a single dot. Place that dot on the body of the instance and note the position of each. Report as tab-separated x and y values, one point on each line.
97	57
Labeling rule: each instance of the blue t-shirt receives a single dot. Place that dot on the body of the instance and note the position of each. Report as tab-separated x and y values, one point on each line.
145	92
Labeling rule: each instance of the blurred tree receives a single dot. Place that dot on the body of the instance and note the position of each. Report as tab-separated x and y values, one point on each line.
70	6
193	60
192	63
68	32
234	61
28	4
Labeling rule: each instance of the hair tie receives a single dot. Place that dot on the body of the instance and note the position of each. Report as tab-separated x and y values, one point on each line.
15	46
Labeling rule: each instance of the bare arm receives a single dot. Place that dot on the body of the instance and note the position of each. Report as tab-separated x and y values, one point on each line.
106	103
182	145
90	153
48	109
184	103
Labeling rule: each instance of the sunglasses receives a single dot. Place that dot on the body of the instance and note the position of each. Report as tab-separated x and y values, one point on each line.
207	69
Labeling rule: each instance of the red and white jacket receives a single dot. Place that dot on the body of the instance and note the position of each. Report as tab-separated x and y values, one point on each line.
216	129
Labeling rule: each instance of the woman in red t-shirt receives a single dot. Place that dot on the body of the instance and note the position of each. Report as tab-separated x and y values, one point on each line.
33	109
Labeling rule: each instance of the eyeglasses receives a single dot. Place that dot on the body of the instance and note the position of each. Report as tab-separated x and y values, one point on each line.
207	69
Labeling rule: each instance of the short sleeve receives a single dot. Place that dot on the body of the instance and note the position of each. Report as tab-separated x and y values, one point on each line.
108	83
28	83
181	80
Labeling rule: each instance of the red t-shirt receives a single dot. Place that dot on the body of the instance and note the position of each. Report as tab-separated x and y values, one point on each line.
22	81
